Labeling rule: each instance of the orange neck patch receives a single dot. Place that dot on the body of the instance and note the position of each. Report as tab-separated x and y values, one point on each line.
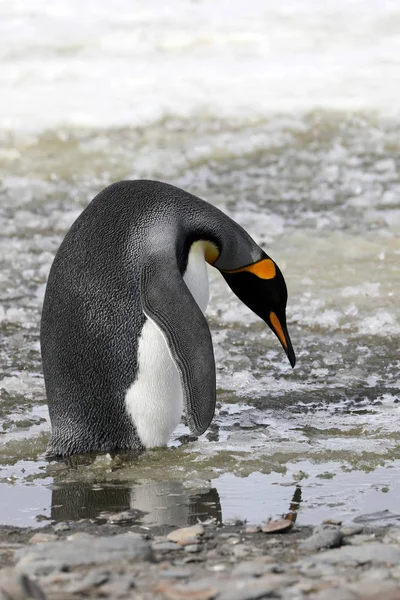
211	252
264	269
278	328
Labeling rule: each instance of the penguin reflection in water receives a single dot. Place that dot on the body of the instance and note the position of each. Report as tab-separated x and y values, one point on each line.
125	344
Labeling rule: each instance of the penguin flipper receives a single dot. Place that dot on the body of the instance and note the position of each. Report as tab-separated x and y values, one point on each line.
167	301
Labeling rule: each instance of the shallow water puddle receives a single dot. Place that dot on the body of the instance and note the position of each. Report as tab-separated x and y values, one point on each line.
256	465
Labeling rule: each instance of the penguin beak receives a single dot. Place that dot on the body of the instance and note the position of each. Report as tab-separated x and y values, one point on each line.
261	286
282	334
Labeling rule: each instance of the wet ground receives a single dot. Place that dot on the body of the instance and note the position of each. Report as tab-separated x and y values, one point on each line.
320	192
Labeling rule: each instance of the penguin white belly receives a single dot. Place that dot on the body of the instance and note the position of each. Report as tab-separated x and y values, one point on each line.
155	399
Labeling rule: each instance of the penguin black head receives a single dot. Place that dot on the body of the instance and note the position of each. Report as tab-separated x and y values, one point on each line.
262	288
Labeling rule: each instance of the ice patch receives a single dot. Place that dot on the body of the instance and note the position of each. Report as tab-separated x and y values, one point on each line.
367	288
382	323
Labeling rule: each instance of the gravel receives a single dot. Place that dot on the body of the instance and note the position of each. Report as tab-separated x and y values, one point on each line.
235	562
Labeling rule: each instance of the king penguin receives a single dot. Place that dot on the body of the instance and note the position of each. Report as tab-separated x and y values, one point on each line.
124	341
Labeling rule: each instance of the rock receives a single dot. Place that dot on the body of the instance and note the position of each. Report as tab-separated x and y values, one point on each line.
165	546
18	586
233	541
358	540
118	585
372	552
61	526
349	531
186	535
43	559
241	550
120	518
218	568
10	545
79	535
93	579
193	558
392	595
253	568
277	526
253	589
323	537
253	529
367	588
193	548
335	593
331	522
176	573
395	572
392	536
316	572
197	590
43	538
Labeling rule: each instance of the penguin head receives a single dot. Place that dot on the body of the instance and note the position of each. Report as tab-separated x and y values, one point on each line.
261	286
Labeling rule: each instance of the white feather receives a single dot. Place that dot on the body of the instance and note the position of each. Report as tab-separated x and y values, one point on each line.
155	399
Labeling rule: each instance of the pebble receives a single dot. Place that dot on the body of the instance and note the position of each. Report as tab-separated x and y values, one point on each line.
78	535
392	595
119	585
193	548
372	552
392	536
165	546
18	586
369	588
176	573
253	568
317	572
254	588
192	558
277	526
112	565
335	593
61	526
126	516
241	550
348	531
323	537
253	529
197	590
11	546
358	540
93	579
331	522
232	541
42	538
218	568
186	535
42	559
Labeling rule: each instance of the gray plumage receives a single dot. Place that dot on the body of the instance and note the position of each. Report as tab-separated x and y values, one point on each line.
123	257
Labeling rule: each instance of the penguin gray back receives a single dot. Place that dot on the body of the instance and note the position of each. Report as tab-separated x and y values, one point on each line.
123	336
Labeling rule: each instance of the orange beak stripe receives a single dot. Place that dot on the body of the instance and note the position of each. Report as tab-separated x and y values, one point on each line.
264	269
278	328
